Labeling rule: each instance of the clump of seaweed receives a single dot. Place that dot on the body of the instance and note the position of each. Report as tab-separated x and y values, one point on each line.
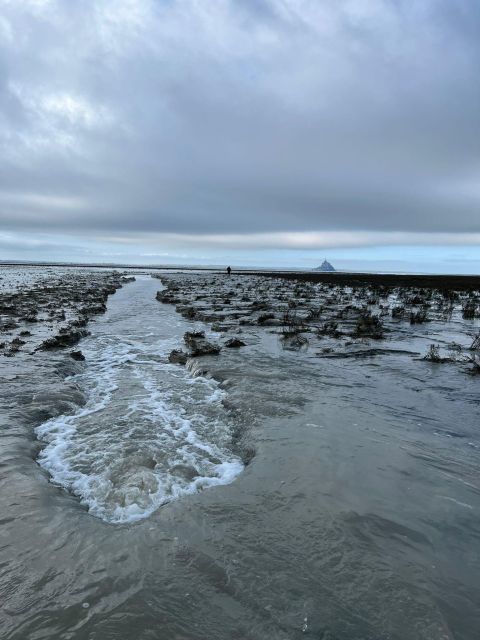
260	305
264	317
468	310
314	313
329	328
433	354
369	326
474	360
292	323
418	317
475	346
294	342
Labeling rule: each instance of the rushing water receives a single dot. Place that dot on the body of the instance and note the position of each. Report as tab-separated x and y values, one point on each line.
128	514
148	432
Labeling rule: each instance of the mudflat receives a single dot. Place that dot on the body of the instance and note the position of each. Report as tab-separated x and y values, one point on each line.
197	455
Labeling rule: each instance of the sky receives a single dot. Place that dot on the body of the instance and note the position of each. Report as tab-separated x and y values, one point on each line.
270	133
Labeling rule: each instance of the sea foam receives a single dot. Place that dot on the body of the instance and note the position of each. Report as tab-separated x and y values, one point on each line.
148	434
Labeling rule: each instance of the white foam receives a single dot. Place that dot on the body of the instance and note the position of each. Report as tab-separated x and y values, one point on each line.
149	433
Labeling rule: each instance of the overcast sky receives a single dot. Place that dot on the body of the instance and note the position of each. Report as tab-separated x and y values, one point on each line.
269	132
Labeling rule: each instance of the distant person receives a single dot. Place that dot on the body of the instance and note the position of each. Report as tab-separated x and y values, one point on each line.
229	270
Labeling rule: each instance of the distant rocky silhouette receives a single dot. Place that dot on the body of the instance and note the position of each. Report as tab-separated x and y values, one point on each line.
325	266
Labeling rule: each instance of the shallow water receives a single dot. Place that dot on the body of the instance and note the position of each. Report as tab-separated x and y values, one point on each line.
134	517
148	432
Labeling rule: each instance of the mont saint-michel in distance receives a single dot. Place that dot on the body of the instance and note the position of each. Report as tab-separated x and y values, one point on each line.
325	266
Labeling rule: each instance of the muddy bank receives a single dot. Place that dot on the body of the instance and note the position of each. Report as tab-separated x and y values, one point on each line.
52	311
361	319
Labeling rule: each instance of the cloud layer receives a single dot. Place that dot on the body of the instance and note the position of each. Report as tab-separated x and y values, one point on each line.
348	121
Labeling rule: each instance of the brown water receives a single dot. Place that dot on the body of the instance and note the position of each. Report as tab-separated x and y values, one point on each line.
357	518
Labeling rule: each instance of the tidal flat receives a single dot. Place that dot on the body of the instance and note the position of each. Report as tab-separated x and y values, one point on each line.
194	456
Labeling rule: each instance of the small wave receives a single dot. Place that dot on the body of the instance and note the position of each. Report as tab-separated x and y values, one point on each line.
148	434
461	504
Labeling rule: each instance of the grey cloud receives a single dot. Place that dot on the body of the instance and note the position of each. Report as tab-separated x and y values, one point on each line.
240	117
